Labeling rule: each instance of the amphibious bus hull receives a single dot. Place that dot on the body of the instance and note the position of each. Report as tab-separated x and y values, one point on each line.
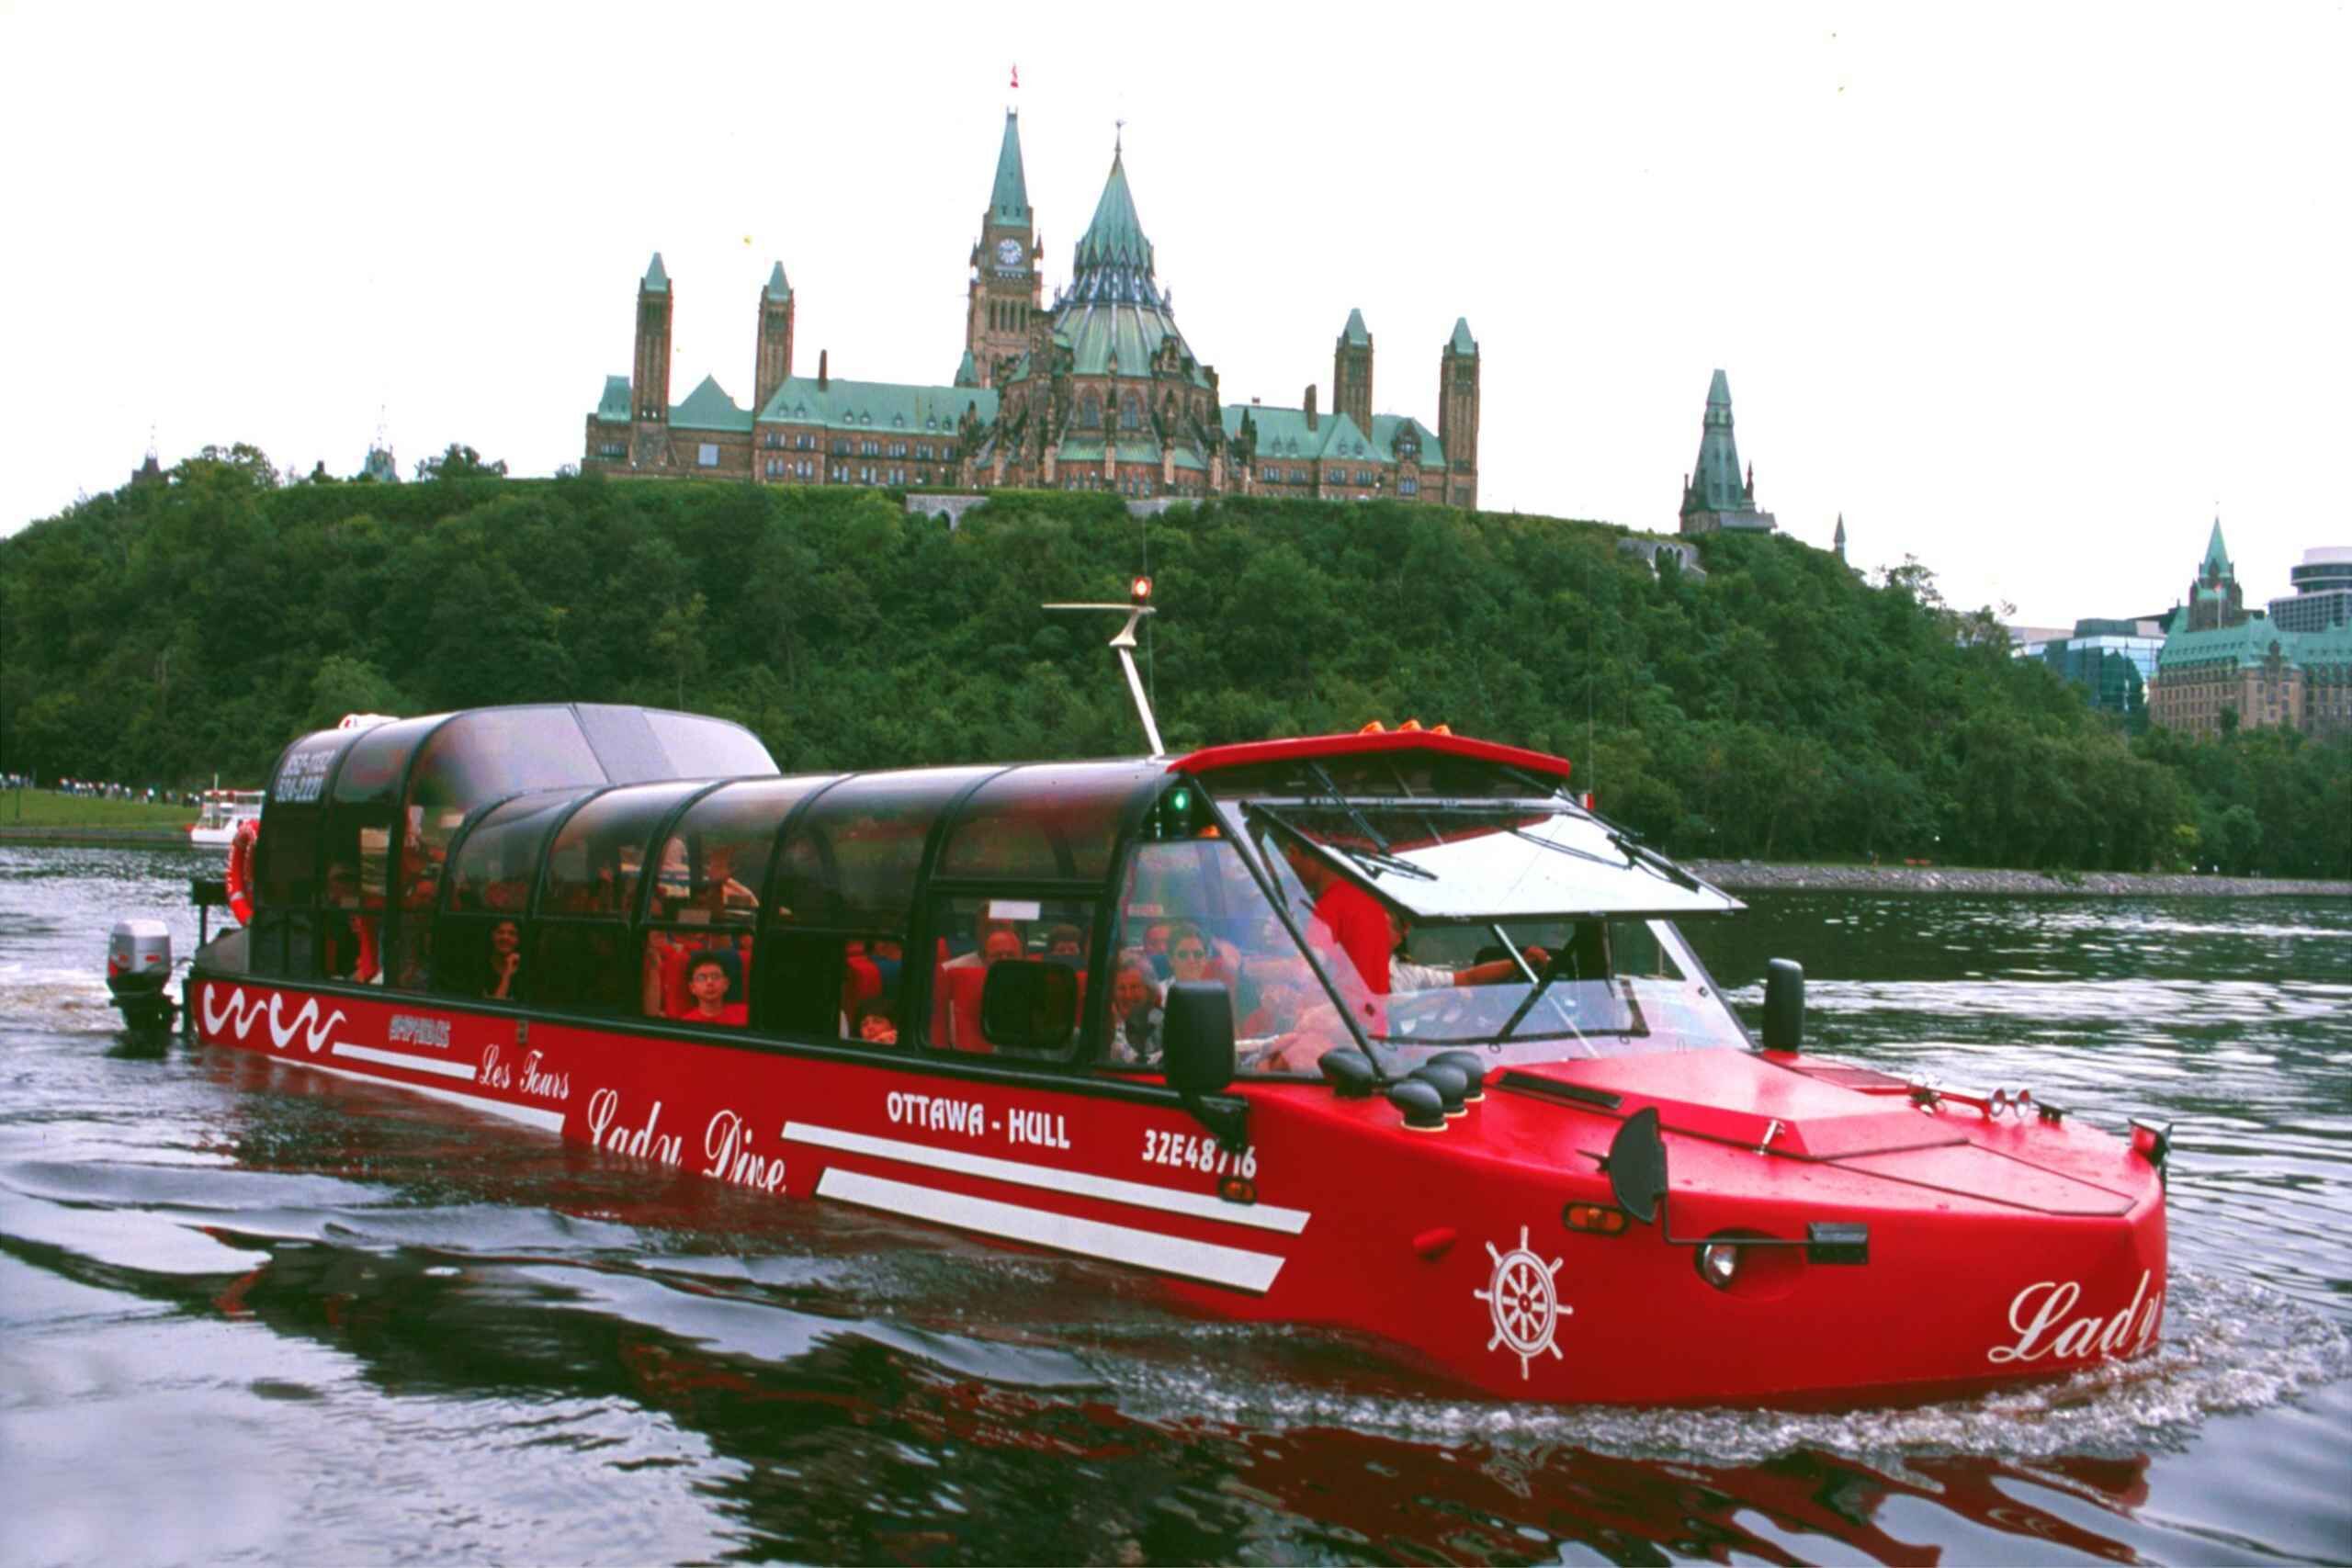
1451	1247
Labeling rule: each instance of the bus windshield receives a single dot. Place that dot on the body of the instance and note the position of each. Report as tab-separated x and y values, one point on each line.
1526	930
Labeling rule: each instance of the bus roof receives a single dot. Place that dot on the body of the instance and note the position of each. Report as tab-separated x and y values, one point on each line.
1314	748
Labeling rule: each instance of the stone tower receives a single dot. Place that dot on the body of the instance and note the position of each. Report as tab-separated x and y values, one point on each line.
1839	543
1457	414
773	365
2215	599
1006	292
1714	496
1352	373
649	381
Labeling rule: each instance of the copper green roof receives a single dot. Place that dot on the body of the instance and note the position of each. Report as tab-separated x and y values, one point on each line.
1355	333
880	407
2247	643
1715	484
1283	432
1463	343
1009	203
708	407
1387	427
966	373
656	280
1116	236
2217	558
779	287
613	408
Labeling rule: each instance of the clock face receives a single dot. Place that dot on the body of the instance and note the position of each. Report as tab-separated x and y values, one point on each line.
1008	251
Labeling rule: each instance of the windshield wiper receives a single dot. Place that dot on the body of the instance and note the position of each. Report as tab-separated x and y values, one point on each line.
1379	855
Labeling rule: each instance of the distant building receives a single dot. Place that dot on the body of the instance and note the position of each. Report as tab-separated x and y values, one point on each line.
2323	596
1098	390
2112	661
1714	494
150	472
380	467
2219	658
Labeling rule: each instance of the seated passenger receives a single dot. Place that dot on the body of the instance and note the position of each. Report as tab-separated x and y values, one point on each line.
1134	1015
1188	952
710	978
874	1023
505	959
1066	945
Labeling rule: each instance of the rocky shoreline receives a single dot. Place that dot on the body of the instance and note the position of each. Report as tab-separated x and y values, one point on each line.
1752	877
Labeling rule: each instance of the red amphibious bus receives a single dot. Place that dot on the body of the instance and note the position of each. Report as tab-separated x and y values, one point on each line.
1385	1034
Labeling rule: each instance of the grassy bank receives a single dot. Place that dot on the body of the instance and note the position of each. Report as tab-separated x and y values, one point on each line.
46	809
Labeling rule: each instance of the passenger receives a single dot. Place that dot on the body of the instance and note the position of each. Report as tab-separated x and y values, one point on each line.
1134	1015
1066	945
874	1023
505	958
1002	941
890	959
1188	952
1155	950
710	979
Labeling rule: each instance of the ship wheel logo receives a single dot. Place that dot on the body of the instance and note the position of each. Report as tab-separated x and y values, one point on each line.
1525	1305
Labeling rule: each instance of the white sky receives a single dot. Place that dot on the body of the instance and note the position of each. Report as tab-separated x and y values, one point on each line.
2025	291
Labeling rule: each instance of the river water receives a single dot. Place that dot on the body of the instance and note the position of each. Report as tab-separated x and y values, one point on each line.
248	1313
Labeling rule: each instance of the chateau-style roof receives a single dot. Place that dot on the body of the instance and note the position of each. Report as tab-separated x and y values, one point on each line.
613	408
708	407
656	280
1356	334
1463	343
878	406
1009	203
966	373
1387	427
2243	645
2217	558
1283	432
779	287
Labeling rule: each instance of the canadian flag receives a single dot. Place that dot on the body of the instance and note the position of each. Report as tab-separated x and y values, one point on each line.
1016	75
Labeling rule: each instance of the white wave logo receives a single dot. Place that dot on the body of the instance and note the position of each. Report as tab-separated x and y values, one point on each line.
306	1022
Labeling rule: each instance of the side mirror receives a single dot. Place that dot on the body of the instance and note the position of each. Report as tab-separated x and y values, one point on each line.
1637	1166
1783	1004
1196	1037
1026	1006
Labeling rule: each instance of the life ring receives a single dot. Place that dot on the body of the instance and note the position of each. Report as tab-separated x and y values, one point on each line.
239	876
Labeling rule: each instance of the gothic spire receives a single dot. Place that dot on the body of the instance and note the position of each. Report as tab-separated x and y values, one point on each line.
1115	238
1357	335
1009	203
1715	481
656	280
2217	558
779	287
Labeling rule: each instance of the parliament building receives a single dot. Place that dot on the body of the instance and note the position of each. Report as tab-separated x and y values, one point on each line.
1095	390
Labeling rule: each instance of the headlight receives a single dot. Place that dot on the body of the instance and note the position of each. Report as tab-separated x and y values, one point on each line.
1719	1264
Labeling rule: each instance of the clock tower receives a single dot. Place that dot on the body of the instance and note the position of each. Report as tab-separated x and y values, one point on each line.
1006	292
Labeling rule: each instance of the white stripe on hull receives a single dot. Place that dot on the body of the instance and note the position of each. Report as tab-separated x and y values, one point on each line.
1204	1260
1143	1194
544	1118
438	1066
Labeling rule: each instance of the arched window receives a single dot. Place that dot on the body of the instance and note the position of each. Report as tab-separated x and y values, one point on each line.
1090	412
1130	412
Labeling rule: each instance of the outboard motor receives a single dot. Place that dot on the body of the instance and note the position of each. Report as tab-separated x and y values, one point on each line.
139	962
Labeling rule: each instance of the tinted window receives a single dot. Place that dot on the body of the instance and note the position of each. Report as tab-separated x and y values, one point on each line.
499	859
477	757
598	857
715	862
1052	820
709	748
287	852
851	858
984	934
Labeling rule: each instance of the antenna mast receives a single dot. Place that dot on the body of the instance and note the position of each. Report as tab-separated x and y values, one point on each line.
1138	606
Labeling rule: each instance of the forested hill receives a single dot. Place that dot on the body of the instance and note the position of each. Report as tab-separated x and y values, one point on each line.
1780	708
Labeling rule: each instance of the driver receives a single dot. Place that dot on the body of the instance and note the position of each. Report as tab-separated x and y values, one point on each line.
1404	975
